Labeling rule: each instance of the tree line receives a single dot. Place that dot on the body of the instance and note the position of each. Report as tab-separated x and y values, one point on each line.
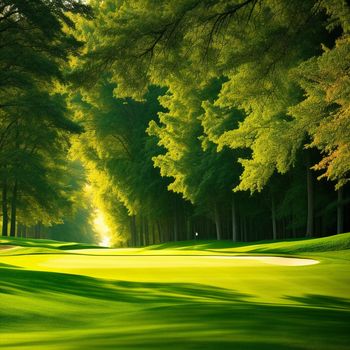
225	118
192	119
38	183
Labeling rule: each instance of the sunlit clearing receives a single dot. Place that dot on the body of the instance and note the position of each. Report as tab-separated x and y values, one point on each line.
102	229
106	241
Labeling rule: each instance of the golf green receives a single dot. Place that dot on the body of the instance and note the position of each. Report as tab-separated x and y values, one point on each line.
201	296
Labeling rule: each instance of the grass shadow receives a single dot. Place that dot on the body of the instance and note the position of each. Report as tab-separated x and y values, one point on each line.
14	280
140	315
321	301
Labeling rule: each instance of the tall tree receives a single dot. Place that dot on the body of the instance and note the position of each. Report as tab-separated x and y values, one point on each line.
270	70
34	120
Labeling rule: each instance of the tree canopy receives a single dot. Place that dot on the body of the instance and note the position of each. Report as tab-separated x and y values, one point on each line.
227	118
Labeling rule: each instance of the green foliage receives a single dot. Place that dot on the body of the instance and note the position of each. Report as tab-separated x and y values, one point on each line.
324	113
234	112
201	174
255	58
117	153
177	114
34	120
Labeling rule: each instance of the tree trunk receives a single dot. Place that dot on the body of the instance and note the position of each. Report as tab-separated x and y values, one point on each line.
234	220
176	225
159	232
137	232
273	217
142	231
294	231
39	231
133	231
13	210
217	222
145	231
188	228
19	230
340	212
310	202
4	210
153	235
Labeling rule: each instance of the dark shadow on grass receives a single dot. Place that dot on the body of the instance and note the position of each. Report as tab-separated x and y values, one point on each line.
321	301
13	280
9	266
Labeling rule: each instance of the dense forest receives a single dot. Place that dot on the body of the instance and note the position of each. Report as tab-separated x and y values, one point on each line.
175	120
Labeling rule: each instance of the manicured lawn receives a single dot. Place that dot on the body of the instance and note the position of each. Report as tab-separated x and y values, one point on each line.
176	296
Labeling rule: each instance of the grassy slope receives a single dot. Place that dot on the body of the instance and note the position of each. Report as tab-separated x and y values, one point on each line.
332	243
43	243
97	299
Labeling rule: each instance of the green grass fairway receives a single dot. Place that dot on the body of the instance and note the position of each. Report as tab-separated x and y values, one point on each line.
191	295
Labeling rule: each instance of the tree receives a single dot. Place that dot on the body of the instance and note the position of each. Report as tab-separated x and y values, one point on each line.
263	56
34	119
200	173
117	154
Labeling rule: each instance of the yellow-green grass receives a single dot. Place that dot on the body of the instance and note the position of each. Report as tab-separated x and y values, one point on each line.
175	296
43	243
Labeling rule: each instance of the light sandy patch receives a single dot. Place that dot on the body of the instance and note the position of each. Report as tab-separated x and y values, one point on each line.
273	260
3	247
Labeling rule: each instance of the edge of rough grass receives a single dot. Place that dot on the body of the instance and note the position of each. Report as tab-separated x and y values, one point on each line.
291	246
45	243
306	246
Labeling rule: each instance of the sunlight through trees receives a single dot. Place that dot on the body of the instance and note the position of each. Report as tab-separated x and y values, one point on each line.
225	118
